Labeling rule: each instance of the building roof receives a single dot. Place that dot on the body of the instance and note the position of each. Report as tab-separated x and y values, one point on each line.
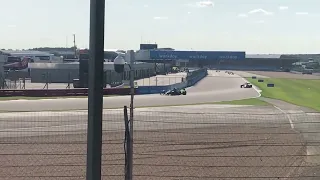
264	56
17	52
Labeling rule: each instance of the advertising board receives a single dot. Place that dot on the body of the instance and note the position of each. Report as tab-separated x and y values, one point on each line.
197	55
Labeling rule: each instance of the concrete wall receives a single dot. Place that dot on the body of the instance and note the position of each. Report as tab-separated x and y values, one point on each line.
142	55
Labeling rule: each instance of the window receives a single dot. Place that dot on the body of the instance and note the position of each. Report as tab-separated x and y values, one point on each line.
13	59
43	58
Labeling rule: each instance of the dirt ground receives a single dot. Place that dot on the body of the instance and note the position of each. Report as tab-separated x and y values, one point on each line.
233	152
285	75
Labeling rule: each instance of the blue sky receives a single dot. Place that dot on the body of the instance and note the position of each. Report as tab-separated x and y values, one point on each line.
255	26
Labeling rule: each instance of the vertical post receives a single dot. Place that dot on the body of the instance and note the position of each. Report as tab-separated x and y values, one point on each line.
127	142
156	81
130	148
24	83
74	45
47	80
95	97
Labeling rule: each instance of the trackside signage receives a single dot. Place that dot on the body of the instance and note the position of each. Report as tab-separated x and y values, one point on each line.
197	55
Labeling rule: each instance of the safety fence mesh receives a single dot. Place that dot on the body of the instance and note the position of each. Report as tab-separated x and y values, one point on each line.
169	143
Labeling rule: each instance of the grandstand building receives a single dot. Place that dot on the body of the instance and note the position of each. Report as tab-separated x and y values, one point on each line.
260	62
229	60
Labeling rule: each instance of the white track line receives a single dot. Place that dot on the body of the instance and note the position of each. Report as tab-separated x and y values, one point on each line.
253	86
43	127
290	120
259	92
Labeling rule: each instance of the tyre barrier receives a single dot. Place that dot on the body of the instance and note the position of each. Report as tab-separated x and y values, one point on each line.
254	77
260	80
270	85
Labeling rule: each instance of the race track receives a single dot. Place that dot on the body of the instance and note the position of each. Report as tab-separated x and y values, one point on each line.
218	86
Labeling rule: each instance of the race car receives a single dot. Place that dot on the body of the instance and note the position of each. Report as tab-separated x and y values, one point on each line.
246	85
174	92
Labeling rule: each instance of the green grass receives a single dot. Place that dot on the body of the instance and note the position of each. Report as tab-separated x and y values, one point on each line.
302	92
252	101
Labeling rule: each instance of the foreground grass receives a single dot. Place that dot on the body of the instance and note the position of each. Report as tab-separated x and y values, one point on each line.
252	101
301	92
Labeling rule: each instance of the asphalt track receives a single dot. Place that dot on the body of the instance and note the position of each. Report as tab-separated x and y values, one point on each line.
218	86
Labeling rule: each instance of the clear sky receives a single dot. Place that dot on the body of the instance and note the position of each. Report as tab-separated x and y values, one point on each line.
255	26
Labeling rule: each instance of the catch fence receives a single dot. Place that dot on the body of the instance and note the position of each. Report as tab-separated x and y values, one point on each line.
179	143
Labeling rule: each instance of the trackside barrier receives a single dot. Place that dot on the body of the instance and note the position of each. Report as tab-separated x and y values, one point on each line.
196	77
260	80
159	89
151	89
195	80
179	85
270	85
60	92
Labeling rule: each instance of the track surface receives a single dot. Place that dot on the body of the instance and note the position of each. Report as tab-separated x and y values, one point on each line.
216	87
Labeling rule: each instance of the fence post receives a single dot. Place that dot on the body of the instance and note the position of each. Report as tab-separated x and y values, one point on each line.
69	78
24	83
127	143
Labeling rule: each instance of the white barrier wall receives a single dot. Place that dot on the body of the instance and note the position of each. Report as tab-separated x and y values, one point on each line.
142	55
75	65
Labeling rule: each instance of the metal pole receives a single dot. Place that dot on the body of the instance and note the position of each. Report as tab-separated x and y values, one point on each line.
156	80
130	148
127	142
95	96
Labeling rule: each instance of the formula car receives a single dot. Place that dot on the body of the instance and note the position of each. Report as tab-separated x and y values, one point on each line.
246	85
174	92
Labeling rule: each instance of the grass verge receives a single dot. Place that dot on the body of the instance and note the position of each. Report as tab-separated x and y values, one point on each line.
251	101
302	92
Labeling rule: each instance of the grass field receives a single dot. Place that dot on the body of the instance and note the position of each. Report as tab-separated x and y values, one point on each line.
252	101
303	92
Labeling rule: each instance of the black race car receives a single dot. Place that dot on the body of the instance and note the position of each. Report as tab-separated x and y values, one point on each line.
174	92
246	85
